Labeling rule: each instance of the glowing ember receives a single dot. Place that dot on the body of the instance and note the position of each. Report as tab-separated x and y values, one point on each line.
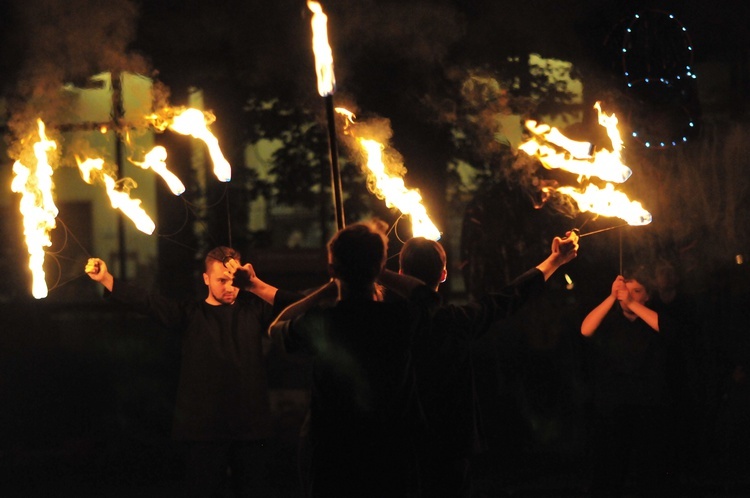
608	202
156	160
194	122
37	207
580	158
322	50
395	193
92	168
569	282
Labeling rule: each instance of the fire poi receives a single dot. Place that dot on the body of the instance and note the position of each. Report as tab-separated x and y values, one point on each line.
119	197
388	185
156	160
555	151
35	182
38	209
195	123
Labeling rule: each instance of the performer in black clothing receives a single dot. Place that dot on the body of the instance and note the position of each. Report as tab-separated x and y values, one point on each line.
364	414
630	397
689	373
442	359
222	409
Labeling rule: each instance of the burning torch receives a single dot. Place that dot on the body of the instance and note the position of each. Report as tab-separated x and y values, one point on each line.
326	87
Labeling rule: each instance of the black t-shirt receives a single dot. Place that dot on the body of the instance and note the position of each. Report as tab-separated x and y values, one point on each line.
629	362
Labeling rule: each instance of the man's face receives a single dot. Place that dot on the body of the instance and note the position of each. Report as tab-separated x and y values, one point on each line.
220	289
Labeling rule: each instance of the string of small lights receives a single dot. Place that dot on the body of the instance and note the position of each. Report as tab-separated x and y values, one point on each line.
657	62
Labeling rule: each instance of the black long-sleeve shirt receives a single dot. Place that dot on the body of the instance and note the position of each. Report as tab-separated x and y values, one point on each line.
442	359
223	390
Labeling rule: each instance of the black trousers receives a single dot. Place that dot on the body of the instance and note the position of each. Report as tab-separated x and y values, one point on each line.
212	467
631	447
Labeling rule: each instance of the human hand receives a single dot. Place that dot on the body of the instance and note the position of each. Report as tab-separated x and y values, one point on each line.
243	277
623	295
566	248
96	269
618	286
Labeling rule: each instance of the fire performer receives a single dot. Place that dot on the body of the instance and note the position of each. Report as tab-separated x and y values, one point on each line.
364	423
445	379
222	409
364	414
630	398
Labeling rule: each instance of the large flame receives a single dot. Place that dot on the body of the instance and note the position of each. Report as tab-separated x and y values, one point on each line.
391	187
394	192
156	160
37	207
578	157
608	202
556	151
322	50
94	168
194	122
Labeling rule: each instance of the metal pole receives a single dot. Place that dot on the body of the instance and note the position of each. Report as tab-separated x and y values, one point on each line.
336	189
118	112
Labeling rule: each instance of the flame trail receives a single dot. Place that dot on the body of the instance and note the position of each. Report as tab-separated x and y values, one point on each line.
390	187
576	157
156	160
37	207
93	168
194	122
608	202
580	158
394	192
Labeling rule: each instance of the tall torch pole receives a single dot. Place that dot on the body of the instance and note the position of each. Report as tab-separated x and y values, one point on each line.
326	86
118	114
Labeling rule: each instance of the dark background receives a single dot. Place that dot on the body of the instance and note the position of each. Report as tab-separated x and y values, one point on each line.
86	392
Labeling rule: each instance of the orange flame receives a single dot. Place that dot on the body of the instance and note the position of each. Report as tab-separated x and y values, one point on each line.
347	114
156	160
91	168
576	157
322	50
37	207
390	187
580	158
608	202
194	122
395	193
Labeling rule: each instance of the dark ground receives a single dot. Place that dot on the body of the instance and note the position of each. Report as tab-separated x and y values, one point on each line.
86	398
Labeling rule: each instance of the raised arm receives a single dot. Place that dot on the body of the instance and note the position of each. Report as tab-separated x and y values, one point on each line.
245	278
326	292
595	316
97	271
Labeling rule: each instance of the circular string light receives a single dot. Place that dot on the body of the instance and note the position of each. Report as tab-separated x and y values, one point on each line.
657	61
661	114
